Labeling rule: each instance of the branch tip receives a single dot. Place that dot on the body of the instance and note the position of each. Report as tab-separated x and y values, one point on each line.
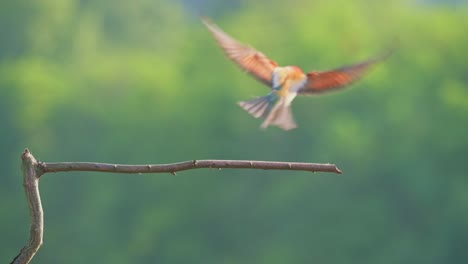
25	153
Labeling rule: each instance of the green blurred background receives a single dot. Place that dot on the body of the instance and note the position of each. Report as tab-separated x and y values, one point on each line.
144	82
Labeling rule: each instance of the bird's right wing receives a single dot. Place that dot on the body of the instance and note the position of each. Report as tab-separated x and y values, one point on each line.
249	59
318	82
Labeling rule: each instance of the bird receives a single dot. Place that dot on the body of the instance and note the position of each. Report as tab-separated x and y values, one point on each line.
285	82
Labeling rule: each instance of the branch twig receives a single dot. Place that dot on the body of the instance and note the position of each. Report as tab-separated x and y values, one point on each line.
33	170
186	165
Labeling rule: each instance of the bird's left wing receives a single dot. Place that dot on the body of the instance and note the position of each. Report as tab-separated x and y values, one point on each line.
318	82
249	59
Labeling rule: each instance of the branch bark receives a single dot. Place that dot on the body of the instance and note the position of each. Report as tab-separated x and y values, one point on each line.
33	170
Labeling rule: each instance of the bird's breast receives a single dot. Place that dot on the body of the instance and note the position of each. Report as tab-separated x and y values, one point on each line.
294	84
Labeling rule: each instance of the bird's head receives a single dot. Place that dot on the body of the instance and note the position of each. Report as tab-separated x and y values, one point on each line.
295	69
295	72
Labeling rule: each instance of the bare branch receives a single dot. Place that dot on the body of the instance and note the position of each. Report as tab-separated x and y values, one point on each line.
31	175
186	165
33	170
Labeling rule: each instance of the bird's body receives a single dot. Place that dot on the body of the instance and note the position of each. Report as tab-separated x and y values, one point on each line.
285	82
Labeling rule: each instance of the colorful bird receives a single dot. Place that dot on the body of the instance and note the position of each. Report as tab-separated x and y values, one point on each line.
285	82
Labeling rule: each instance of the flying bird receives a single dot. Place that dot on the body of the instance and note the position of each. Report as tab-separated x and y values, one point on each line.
285	82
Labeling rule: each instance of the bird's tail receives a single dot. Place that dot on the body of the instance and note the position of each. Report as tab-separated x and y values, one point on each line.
260	106
273	109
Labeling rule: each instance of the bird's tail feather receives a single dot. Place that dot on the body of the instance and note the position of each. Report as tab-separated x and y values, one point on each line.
260	106
273	109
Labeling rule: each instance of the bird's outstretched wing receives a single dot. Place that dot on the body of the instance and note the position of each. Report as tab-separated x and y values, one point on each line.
318	82
249	59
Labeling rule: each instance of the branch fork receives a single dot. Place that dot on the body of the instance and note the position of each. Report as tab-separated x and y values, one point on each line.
33	170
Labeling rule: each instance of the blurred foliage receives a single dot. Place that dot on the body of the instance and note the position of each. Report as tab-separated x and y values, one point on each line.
143	82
